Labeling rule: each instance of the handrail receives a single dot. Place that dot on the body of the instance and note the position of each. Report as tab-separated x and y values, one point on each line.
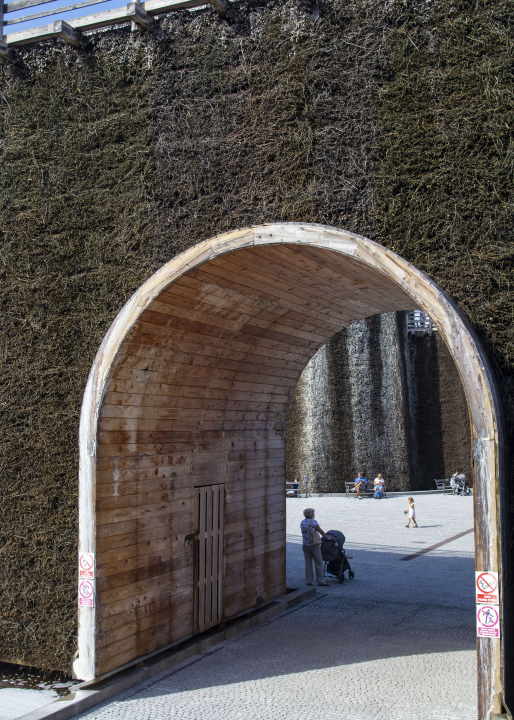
139	14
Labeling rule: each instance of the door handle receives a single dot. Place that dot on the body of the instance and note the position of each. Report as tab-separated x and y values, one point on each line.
188	539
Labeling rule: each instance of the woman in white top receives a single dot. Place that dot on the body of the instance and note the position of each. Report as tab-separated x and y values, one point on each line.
379	486
312	552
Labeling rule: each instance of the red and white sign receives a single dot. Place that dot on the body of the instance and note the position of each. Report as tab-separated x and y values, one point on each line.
86	566
488	621
86	593
486	586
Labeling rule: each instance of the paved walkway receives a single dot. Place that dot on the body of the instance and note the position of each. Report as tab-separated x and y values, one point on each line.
397	642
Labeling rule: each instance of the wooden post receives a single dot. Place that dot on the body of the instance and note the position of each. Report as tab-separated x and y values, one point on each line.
140	19
67	33
5	50
221	6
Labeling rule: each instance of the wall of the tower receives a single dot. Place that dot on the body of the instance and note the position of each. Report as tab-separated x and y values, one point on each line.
382	118
377	399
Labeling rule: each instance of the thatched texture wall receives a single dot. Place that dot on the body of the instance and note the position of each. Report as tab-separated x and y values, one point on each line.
378	399
393	120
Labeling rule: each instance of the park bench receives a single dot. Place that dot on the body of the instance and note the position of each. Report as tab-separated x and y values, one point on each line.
369	491
443	486
294	488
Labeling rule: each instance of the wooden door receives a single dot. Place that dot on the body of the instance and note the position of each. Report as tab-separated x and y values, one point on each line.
209	514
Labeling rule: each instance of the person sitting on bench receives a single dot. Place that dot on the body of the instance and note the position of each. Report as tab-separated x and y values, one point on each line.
379	487
360	484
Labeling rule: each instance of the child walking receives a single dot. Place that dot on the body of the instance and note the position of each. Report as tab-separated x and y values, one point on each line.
412	512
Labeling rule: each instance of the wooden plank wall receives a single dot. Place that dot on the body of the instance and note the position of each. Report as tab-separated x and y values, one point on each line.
198	395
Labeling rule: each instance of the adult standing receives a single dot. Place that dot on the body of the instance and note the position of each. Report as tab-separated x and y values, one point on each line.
312	552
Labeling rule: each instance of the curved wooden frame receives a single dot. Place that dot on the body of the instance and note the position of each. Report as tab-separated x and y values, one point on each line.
477	379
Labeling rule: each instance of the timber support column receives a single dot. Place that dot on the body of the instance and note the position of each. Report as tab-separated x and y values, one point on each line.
6	53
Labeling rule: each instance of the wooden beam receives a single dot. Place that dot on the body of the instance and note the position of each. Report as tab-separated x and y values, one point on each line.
53	11
131	12
22	4
139	17
158	7
138	14
59	28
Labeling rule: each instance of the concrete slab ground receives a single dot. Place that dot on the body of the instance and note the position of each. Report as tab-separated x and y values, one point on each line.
395	643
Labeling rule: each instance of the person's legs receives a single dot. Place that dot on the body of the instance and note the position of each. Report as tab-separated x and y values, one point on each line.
318	563
309	577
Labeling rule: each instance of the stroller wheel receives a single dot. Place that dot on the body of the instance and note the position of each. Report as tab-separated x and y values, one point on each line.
340	577
351	574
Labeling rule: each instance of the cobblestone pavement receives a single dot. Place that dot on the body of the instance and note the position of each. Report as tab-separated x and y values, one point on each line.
395	643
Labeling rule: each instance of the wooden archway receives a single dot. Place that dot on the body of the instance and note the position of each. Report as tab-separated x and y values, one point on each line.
190	388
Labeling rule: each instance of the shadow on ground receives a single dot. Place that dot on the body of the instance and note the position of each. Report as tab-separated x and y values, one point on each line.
390	610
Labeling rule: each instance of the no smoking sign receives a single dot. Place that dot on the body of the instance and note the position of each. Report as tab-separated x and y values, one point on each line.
486	587
86	566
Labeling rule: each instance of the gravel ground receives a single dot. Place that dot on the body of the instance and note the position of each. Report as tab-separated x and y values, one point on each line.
396	642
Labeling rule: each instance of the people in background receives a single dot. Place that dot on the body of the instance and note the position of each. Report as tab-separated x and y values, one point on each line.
360	484
312	551
379	487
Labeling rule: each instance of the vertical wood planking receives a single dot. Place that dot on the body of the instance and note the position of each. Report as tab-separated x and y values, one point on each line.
208	580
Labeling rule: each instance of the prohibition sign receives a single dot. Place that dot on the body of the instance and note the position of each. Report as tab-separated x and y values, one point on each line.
488	621
86	593
86	566
487	583
86	589
86	561
488	616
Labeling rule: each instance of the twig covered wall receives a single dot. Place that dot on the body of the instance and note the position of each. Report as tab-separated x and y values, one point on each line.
377	399
390	119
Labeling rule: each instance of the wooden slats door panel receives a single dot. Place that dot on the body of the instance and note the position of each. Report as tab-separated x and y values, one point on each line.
209	517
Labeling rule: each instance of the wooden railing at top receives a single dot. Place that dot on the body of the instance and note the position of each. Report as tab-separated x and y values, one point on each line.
139	14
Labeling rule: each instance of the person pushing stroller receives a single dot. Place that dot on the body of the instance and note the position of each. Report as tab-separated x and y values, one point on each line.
459	484
311	546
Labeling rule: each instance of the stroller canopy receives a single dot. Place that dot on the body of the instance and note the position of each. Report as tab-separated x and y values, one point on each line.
330	550
338	536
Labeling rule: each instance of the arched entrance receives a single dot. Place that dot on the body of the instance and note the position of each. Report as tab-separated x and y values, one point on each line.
184	414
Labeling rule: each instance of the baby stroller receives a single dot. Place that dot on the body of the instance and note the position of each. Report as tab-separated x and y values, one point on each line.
459	484
334	556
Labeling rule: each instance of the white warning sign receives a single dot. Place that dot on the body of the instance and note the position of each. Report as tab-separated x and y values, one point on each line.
486	587
488	621
86	593
86	566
